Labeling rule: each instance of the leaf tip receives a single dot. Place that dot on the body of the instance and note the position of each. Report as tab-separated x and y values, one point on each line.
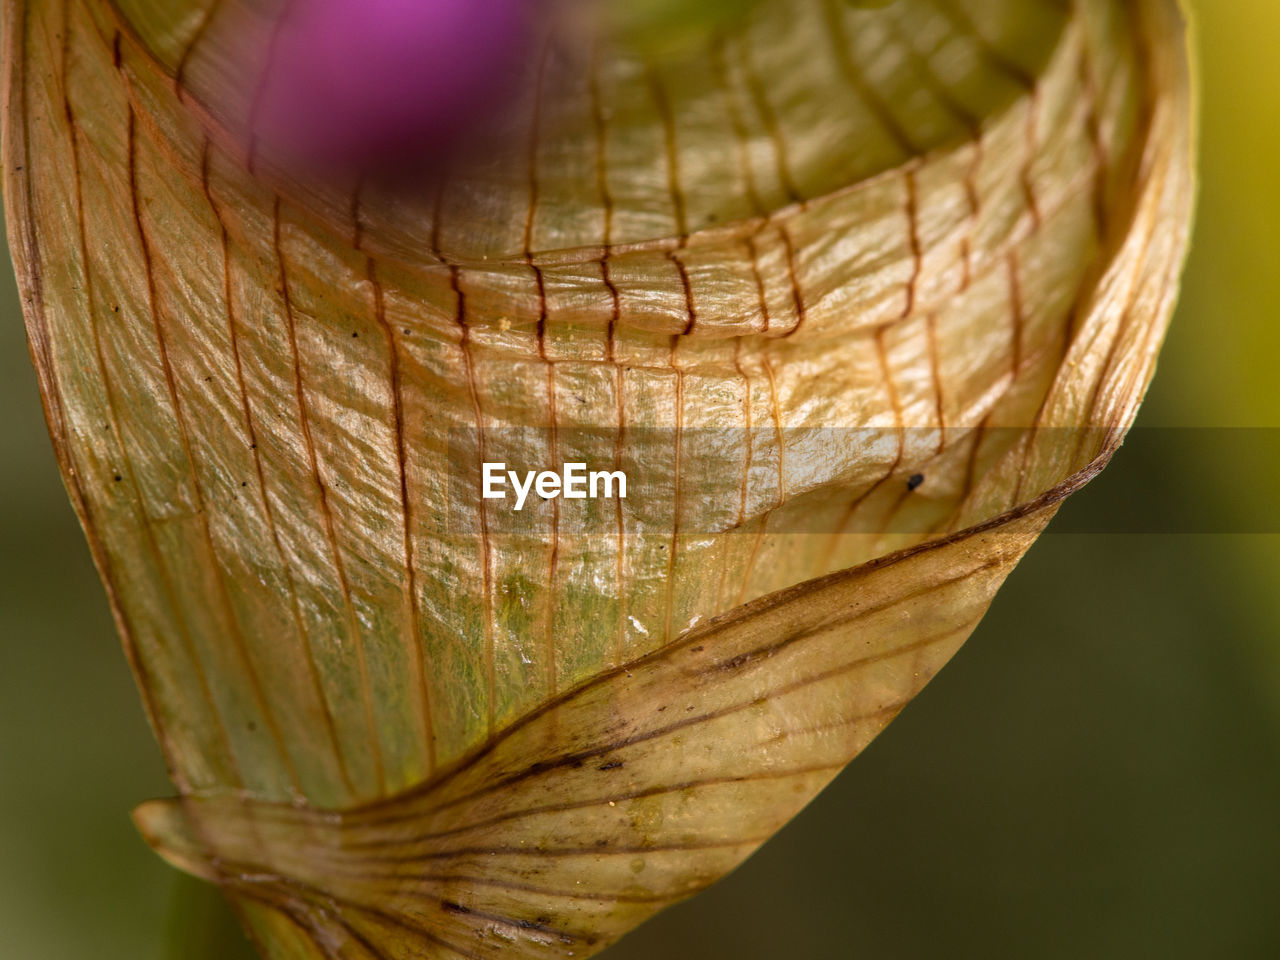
167	829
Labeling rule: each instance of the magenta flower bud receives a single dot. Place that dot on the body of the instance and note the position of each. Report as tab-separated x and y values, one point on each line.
385	82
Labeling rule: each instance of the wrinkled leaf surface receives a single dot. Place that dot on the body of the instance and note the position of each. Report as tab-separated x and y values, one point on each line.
855	294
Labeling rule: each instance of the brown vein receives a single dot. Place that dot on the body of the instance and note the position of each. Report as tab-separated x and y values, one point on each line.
746	462
412	812
775	410
535	124
335	917
184	435
1113	352
678	444
913	229
522	926
797	292
262	80
615	302
298	917
418	655
1093	126
895	404
1026	174
486	550
349	851
561	853
999	59
326	513
965	23
246	411
935	374
753	253
314	900
889	712
858	81
720	70
318	897
971	123
290	894
927	73
459	879
548	630
663	105
31	282
206	21
770	120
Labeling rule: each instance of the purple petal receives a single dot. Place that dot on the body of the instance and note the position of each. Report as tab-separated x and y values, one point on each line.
369	81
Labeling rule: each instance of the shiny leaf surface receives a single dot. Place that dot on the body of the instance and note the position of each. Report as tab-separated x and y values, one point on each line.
855	295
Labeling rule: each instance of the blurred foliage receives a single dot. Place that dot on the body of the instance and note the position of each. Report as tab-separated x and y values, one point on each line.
1096	774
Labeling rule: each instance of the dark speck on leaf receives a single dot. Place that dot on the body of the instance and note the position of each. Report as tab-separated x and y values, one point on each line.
354	334
118	478
915	480
452	907
611	765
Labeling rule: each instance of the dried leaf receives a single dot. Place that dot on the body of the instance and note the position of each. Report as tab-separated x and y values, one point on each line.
860	288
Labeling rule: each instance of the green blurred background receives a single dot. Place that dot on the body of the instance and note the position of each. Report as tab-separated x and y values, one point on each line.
1097	774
